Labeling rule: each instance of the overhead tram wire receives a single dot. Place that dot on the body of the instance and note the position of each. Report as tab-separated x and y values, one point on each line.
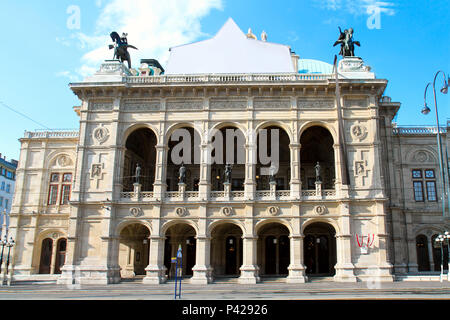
23	115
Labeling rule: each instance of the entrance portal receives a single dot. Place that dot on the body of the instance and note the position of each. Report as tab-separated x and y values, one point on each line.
184	235
274	250
226	250
134	250
320	249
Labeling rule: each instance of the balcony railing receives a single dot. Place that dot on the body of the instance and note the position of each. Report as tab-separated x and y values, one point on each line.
227	78
52	134
283	195
418	130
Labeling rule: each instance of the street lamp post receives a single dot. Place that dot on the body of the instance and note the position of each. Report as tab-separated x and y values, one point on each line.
441	240
427	110
9	245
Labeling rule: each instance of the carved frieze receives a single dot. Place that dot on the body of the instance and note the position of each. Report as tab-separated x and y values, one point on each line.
271	104
141	105
101	105
315	103
185	105
228	104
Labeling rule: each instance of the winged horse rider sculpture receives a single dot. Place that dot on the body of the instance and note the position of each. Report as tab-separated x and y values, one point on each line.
347	43
121	47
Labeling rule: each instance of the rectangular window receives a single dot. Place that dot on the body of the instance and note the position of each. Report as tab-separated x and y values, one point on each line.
8	188
9	174
67	177
429	174
3	186
6	204
3	171
418	191
417	174
1	201
65	194
52	194
54	177
431	191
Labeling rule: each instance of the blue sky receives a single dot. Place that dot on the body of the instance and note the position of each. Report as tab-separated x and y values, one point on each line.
48	44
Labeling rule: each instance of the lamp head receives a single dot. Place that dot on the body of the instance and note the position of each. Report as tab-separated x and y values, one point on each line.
425	110
444	89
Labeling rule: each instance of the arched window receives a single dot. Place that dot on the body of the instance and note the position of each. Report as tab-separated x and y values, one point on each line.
423	260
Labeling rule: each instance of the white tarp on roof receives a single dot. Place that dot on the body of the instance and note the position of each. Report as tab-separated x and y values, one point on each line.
230	51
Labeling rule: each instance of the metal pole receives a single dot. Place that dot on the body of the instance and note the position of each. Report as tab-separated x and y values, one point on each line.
176	282
441	162
442	262
181	275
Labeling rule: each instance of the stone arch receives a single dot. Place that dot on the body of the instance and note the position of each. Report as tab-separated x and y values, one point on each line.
53	157
274	123
273	248
329	221
133	247
55	235
234	124
305	126
123	224
425	155
429	231
217	223
173	127
134	127
261	224
167	225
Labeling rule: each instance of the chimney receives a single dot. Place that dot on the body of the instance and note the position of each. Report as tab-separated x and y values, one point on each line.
295	58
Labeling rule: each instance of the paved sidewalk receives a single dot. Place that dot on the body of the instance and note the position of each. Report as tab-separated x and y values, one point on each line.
232	291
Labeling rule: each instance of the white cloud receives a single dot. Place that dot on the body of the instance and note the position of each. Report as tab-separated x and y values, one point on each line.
358	7
153	26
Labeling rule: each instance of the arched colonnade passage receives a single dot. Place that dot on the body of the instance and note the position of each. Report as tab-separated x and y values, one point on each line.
273	147
228	250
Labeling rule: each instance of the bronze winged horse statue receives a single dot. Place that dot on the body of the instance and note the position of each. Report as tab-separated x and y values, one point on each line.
121	48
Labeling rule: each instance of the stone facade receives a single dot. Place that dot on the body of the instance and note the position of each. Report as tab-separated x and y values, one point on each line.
111	229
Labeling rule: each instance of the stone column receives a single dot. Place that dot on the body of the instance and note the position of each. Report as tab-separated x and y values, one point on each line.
204	187
296	184
202	269
411	244
160	186
344	266
156	271
430	252
296	267
250	171
53	260
384	266
249	269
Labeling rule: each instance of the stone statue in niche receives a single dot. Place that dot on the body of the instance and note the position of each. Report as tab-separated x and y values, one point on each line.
317	167
228	173
138	173
182	174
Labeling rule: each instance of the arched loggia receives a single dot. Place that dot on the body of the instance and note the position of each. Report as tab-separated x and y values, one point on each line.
140	149
273	149
317	147
184	149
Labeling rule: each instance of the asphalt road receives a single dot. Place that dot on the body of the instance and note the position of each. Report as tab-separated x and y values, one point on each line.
231	291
